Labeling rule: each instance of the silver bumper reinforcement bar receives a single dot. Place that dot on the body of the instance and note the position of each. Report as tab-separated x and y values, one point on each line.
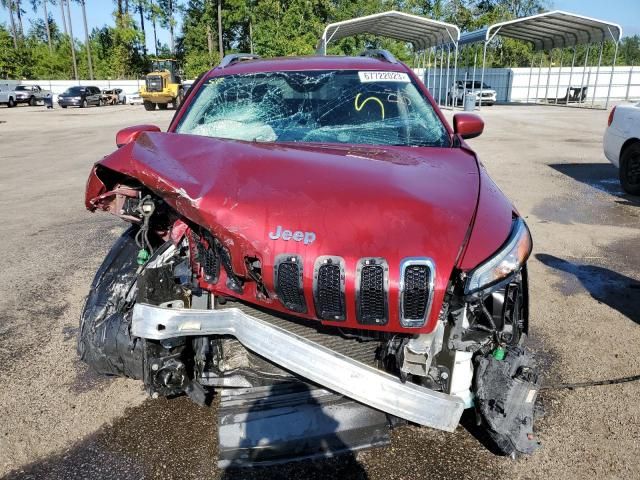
308	359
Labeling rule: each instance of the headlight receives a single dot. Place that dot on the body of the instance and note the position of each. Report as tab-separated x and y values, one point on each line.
506	261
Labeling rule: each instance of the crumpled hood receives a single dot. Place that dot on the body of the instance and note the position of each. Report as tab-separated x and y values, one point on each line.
264	200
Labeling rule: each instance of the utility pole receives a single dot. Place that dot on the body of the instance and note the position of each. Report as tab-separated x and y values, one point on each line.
46	23
64	18
144	35
153	21
86	38
13	25
73	49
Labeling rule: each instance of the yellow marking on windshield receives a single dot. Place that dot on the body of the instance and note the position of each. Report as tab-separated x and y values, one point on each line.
361	106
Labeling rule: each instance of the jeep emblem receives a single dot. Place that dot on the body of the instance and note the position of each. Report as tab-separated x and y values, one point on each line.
298	236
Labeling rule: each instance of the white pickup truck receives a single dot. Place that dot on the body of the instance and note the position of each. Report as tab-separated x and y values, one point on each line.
31	94
7	96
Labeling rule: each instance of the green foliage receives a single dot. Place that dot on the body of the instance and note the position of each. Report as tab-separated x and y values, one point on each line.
268	28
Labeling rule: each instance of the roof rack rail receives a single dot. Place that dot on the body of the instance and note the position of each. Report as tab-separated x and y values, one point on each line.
236	57
379	54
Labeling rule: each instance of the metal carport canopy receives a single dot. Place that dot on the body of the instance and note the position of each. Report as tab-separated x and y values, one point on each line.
421	32
556	29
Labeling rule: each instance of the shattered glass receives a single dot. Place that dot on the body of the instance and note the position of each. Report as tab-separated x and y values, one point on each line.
314	106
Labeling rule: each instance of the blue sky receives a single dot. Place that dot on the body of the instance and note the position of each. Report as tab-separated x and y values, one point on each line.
99	12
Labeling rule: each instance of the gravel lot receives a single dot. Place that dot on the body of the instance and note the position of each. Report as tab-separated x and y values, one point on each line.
61	421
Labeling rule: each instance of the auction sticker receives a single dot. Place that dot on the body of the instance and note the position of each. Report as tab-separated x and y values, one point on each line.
366	77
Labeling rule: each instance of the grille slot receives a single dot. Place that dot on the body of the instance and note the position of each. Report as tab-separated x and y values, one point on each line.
371	291
288	282
416	290
207	257
328	288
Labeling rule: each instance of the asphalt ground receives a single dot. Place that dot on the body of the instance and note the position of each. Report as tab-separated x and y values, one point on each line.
59	420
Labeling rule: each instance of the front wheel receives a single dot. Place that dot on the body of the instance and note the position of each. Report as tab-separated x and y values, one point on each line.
32	102
149	106
630	169
104	340
11	103
83	104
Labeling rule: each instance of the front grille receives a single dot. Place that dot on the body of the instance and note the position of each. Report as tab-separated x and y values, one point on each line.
371	292
415	291
329	288
154	83
288	282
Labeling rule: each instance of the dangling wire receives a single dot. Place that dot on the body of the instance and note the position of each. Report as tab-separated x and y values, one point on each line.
146	207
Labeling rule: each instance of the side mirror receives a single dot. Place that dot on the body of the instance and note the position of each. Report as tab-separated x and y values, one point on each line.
129	134
467	125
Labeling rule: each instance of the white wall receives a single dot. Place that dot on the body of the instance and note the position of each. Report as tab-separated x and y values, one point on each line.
514	84
59	86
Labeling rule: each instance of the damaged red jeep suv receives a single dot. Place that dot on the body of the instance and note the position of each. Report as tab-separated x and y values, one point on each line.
312	240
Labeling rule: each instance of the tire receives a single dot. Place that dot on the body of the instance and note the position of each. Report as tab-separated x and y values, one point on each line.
149	106
163	106
63	106
83	104
32	101
630	169
104	340
11	103
100	103
124	101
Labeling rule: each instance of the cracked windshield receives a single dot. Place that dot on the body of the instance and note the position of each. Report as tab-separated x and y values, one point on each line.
373	108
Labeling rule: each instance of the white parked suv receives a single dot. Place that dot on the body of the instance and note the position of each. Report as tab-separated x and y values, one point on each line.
486	93
7	96
622	145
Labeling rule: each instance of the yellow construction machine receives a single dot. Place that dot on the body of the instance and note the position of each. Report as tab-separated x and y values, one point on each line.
163	85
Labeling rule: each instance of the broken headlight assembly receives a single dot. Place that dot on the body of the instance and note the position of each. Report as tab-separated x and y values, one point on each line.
507	261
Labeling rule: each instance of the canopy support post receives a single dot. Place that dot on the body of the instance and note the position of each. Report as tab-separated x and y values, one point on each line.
484	61
446	93
533	56
613	68
440	79
546	91
559	74
584	70
573	62
595	87
473	77
539	75
428	72
455	74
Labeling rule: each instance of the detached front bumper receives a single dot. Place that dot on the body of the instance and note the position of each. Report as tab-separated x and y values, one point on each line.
310	360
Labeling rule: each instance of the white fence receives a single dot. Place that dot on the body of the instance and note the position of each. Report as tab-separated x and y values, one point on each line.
526	84
59	86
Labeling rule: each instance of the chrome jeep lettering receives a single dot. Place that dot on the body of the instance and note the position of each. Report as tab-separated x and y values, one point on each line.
298	236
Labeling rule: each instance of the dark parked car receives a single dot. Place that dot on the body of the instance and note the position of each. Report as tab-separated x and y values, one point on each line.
81	97
311	226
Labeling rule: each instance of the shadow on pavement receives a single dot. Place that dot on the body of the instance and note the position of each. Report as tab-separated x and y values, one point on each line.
286	422
605	286
601	176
